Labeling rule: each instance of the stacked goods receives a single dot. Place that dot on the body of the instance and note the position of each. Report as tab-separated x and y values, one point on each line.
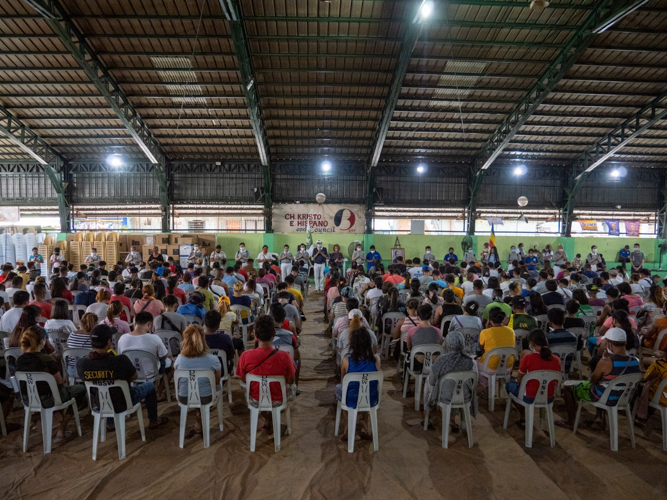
100	237
207	243
174	239
75	257
101	249
63	249
161	239
112	237
79	236
86	250
137	241
48	240
173	251
111	253
45	251
89	236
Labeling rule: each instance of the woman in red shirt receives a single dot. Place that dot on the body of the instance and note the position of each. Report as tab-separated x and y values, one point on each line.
59	290
39	291
172	289
539	358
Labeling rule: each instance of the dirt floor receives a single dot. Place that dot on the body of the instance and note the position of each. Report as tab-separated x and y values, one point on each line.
314	464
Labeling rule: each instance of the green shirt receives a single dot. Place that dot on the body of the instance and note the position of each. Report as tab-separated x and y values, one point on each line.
523	321
505	307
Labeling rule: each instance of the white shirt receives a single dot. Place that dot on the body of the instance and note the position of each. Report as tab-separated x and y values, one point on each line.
125	273
10	292
57	324
371	294
616	281
146	342
416	272
488	292
10	319
636	288
218	290
262	257
133	258
467	287
55	261
30	286
217	256
646	283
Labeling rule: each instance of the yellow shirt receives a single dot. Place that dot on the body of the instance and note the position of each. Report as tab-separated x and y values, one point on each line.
659	366
209	299
296	293
497	336
457	291
25	277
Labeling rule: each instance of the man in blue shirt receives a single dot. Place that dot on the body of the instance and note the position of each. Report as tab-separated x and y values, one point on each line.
449	256
229	278
624	255
320	258
531	261
437	279
371	257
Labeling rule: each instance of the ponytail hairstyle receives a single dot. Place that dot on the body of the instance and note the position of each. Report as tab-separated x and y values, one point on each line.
414	288
223	308
31	338
393	299
115	308
27	320
90	320
539	339
433	293
148	291
355	323
172	281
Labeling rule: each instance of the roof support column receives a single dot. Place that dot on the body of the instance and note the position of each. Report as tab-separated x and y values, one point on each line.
575	180
474	185
163	184
58	174
662	213
370	200
268	200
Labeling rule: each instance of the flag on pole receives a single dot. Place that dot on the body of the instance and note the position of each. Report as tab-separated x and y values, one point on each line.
492	238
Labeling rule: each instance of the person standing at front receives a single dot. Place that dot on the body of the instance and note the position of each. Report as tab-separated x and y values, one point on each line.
242	255
286	262
320	257
372	257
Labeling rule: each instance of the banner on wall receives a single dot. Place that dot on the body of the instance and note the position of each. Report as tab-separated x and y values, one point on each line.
9	214
588	225
632	229
321	219
614	227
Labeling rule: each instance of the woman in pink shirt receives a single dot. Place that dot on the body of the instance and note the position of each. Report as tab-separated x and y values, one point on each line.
113	317
148	302
626	293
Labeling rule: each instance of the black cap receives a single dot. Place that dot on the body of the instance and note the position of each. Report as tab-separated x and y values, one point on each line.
100	336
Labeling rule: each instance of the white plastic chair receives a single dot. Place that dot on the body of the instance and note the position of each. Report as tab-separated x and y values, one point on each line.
78	311
167	336
11	353
194	401
288	349
58	339
75	354
265	404
34	405
541	401
395	317
363	404
143	360
239	324
563	352
372	304
502	354
634	310
444	320
428	351
626	384
470	338
519	335
655	403
597	310
106	410
644	351
556	306
128	314
542	322
193	320
222	356
457	402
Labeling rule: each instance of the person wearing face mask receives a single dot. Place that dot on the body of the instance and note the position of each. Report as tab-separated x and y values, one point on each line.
428	256
242	255
303	255
593	259
286	262
449	256
560	257
93	258
264	256
195	254
637	259
470	256
513	255
358	255
371	257
320	257
217	255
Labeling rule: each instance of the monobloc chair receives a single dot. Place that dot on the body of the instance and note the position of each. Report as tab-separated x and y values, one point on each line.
364	381
655	403
105	409
58	339
73	354
501	373
430	353
471	339
544	378
222	356
564	352
193	378
238	309
264	403
146	362
394	317
193	320
32	403
171	340
459	380
619	389
519	335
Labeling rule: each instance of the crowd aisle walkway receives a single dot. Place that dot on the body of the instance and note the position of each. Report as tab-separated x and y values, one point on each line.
314	464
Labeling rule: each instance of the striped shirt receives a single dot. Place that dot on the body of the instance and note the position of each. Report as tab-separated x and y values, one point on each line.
622	365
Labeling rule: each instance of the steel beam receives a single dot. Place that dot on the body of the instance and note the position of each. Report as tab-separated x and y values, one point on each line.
55	166
408	42
575	47
69	35
233	13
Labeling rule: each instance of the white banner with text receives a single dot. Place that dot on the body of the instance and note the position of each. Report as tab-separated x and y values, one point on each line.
322	219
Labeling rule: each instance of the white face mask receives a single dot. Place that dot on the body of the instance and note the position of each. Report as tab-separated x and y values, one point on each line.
469	251
636	249
242	248
196	248
595	252
303	249
358	248
428	251
319	246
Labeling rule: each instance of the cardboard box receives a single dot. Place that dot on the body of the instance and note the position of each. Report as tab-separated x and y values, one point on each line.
122	243
190	240
173	251
136	240
207	242
174	238
161	239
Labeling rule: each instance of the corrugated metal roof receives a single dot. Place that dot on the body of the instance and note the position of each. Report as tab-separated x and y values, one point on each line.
323	71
